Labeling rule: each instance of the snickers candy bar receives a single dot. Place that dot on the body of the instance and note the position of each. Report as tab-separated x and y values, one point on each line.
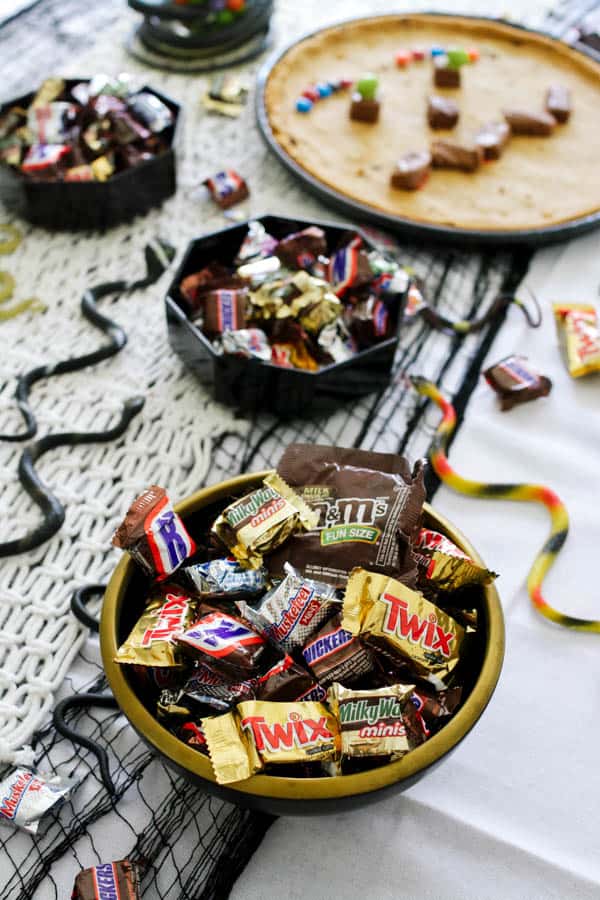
558	102
262	520
152	639
108	881
441	113
535	124
412	171
224	310
260	733
372	722
227	188
220	577
301	249
363	110
211	278
225	644
445	75
286	681
515	381
445	565
451	155
334	654
400	623
295	609
492	139
154	535
26	796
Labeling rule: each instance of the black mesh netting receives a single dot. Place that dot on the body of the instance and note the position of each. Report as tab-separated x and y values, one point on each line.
193	845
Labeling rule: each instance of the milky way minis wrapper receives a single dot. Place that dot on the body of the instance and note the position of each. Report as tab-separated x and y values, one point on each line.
579	334
372	723
260	733
368	508
151	642
225	644
262	520
295	609
401	623
445	565
26	796
154	535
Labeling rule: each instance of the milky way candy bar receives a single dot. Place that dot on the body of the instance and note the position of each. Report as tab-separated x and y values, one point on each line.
516	380
374	722
259	733
399	622
154	535
262	520
151	642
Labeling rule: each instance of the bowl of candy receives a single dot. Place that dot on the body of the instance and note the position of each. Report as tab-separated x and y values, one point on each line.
287	315
304	640
87	153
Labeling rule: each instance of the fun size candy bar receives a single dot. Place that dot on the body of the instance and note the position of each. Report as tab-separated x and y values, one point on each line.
108	881
26	796
334	654
225	644
287	681
395	620
154	535
445	565
227	188
226	576
259	733
579	334
152	639
374	722
262	520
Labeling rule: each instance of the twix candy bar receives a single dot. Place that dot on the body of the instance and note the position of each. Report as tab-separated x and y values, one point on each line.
259	733
579	334
262	520
445	565
151	642
401	623
154	535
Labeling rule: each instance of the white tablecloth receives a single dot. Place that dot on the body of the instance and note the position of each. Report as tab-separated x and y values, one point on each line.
513	813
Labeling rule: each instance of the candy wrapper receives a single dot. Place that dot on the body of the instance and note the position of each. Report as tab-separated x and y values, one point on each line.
222	577
26	796
108	881
223	643
154	535
287	681
262	520
249	342
257	244
446	566
152	639
205	688
579	334
399	622
374	722
334	654
259	733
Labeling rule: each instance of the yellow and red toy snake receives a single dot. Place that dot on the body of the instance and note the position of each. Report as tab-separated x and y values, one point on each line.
528	493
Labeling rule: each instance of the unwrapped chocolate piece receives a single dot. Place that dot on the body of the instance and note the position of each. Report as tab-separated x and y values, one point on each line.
372	722
445	565
108	881
364	110
535	124
26	796
334	654
452	155
579	335
444	74
516	381
412	171
492	138
154	535
259	733
151	641
262	520
223	643
558	102
442	112
365	503
399	622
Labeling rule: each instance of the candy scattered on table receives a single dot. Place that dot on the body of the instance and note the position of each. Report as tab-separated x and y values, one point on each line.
26	796
579	335
442	112
535	124
311	671
226	95
227	188
411	171
516	381
365	105
86	133
558	103
108	881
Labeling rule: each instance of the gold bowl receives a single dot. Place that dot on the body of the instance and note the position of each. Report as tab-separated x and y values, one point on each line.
123	604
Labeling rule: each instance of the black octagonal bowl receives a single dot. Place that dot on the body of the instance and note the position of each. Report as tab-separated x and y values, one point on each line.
123	605
93	204
251	384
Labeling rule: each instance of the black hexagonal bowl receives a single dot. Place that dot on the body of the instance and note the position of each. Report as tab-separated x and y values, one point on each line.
93	204
250	384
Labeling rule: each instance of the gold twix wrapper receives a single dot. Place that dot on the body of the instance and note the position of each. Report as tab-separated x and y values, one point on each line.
579	334
445	565
401	622
151	640
262	520
258	732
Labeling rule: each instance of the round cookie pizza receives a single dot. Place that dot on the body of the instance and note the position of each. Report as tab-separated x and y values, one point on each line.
538	181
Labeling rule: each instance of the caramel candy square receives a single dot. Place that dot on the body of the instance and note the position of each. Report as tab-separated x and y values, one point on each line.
492	138
451	155
534	124
364	110
444	75
441	113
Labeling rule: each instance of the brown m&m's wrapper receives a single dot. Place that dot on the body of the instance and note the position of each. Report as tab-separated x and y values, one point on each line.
154	535
374	722
397	621
262	520
151	642
108	881
445	565
516	381
260	733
